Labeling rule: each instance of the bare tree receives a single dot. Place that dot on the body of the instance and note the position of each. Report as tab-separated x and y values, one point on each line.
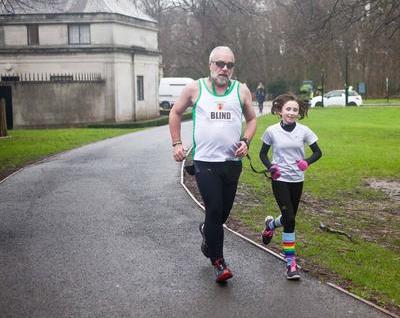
382	16
12	6
322	34
287	40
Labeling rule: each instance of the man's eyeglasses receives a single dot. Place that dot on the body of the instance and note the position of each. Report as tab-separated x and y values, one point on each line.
222	64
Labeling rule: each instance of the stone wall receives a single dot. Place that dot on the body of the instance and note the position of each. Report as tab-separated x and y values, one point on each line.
59	104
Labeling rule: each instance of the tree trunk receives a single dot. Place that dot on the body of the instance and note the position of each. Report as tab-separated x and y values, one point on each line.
3	118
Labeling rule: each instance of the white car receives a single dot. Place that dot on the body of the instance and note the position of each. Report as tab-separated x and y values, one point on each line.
337	98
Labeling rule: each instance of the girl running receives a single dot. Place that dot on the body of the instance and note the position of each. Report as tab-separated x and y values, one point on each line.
287	139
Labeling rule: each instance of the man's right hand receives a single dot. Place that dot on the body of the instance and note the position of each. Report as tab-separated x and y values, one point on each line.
179	152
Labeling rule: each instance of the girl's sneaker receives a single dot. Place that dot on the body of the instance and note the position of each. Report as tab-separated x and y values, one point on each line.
292	271
267	234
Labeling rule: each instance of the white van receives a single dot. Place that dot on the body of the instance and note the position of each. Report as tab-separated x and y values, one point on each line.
169	90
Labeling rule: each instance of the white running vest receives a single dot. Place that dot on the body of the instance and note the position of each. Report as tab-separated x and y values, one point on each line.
217	124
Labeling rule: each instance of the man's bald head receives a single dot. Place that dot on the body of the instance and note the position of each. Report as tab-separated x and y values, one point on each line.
220	49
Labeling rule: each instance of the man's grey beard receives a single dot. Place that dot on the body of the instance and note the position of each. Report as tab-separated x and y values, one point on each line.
221	80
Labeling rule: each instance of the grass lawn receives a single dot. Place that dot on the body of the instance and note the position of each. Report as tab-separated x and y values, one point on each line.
21	147
361	147
382	101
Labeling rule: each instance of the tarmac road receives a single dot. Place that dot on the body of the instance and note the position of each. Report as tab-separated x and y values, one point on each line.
106	230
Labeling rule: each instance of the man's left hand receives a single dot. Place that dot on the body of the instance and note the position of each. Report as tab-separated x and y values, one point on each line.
242	149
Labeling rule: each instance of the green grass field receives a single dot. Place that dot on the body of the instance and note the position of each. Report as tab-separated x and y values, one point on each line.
381	101
25	146
358	145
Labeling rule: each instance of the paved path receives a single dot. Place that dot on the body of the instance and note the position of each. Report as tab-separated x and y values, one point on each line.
266	108
107	231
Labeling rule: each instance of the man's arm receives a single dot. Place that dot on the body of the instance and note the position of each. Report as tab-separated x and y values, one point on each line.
185	100
250	117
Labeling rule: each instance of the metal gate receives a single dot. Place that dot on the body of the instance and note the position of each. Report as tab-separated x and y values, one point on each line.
5	92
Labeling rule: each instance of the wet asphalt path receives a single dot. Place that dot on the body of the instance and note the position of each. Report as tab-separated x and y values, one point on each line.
106	230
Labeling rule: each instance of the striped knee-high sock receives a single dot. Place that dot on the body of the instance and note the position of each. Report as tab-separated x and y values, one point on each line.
289	250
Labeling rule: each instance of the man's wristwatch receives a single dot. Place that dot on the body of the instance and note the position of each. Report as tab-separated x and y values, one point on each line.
246	141
177	142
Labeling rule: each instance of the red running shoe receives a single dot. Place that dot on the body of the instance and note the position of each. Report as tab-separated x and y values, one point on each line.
222	272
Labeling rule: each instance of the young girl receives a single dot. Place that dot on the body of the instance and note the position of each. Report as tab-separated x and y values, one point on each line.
287	139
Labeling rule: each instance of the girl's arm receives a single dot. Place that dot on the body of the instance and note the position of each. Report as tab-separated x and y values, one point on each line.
316	153
264	155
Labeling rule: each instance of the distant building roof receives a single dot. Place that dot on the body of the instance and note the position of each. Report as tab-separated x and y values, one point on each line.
123	7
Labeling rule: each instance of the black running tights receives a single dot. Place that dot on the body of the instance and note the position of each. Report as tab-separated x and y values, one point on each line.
217	183
287	195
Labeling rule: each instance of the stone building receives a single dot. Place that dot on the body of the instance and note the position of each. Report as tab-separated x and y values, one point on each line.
77	62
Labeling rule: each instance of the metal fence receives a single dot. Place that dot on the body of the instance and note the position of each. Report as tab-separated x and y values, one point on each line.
50	77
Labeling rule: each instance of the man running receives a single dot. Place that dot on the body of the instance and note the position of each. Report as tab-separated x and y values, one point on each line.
219	144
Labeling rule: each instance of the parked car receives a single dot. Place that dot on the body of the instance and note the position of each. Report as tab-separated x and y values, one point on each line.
169	90
338	98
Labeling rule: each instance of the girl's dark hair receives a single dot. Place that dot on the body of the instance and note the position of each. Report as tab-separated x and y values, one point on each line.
281	100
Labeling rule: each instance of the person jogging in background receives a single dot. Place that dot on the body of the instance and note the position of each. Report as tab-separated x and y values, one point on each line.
260	96
219	143
287	139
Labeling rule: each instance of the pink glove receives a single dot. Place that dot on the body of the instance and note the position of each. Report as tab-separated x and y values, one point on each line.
275	172
302	164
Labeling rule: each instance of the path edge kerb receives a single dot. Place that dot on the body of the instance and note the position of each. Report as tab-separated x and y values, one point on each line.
332	285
